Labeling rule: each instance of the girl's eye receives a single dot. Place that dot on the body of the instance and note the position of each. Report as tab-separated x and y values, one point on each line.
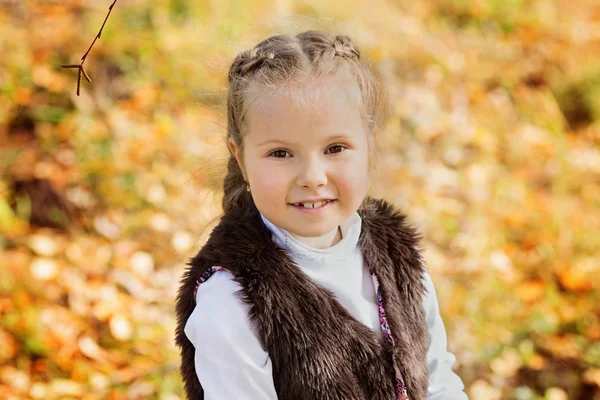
278	152
338	146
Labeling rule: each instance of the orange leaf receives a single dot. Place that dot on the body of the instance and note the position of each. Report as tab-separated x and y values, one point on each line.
530	291
574	280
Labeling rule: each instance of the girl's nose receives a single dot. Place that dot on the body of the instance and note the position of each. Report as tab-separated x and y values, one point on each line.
312	174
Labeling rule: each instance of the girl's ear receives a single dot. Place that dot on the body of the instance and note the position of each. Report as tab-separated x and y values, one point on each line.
375	134
236	154
232	147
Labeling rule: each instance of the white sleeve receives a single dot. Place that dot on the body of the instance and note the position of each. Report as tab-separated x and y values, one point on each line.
443	382
229	360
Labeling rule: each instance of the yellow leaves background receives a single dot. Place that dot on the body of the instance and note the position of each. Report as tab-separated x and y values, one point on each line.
492	147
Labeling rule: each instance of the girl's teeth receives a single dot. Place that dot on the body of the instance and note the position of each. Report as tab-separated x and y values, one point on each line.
315	205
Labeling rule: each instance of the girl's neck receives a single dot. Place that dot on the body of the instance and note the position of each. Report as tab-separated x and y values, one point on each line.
334	240
338	236
341	243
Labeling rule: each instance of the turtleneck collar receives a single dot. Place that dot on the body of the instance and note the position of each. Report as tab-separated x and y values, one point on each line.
301	253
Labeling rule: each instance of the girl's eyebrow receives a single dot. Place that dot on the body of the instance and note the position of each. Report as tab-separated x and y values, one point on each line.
327	139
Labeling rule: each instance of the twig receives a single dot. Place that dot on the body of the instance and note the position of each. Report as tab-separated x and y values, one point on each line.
80	66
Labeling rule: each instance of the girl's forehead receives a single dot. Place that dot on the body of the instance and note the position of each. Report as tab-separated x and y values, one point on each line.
305	98
305	91
306	115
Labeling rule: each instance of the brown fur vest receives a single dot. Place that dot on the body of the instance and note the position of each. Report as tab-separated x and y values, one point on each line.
318	350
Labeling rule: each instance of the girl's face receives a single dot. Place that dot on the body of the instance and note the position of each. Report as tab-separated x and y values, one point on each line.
314	150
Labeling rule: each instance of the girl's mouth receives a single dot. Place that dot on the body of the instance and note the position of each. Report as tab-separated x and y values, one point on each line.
313	205
320	207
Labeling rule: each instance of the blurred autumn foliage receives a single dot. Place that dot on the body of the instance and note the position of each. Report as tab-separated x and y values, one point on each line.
492	148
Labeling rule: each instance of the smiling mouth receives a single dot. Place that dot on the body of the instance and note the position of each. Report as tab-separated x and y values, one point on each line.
312	205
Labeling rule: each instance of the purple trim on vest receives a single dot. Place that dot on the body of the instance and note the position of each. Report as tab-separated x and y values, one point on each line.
401	393
385	328
207	274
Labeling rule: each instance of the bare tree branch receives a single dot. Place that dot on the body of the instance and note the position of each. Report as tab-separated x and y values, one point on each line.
80	66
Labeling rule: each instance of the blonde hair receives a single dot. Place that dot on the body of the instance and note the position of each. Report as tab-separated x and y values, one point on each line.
282	61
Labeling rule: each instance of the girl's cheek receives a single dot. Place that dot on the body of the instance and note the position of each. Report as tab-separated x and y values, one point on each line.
271	179
270	185
355	182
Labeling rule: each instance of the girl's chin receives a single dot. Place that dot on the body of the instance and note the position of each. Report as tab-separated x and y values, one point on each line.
312	230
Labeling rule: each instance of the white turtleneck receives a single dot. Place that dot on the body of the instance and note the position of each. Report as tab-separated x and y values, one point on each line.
339	268
231	363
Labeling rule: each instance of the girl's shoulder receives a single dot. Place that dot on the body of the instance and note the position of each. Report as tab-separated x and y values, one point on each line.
219	312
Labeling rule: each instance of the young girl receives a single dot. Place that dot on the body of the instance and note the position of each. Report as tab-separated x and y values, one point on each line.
308	288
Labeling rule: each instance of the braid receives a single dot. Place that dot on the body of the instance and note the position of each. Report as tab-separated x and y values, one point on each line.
255	58
344	47
256	61
258	56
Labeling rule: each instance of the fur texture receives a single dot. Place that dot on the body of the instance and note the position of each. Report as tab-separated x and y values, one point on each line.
318	350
